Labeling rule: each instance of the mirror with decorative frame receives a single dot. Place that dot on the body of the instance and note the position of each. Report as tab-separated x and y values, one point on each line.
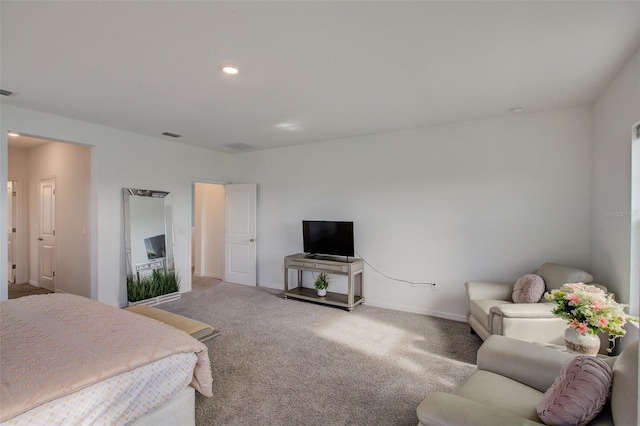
148	231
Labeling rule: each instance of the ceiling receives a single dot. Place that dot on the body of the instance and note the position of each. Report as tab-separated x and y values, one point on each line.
26	142
309	71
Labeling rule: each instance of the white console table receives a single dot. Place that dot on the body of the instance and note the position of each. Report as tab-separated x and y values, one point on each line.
352	268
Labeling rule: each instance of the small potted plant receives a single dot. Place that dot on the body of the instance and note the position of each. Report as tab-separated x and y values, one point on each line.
321	284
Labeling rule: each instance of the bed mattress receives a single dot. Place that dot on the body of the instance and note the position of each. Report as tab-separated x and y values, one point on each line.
57	347
118	400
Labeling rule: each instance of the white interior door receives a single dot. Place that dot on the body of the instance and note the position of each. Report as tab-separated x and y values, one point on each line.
11	231
240	234
47	237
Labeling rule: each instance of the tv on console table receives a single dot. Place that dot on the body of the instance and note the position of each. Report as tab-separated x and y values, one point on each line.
351	267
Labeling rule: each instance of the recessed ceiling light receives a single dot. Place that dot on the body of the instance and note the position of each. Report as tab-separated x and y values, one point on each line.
230	69
517	110
13	134
291	127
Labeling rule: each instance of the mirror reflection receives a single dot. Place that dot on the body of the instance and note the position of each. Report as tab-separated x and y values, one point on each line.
148	231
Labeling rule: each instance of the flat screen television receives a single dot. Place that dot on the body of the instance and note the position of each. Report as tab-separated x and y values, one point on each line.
328	237
155	247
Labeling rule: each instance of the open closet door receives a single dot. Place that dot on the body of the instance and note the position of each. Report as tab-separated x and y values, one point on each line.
240	234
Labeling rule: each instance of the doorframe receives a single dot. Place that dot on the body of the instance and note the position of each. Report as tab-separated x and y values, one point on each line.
634	249
92	202
13	229
21	232
4	177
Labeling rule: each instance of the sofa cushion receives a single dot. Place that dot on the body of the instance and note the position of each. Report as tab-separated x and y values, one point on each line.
528	289
479	309
624	392
502	393
578	394
555	275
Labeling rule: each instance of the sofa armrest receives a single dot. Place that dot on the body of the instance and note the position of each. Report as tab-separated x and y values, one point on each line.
443	409
524	310
601	287
533	364
484	290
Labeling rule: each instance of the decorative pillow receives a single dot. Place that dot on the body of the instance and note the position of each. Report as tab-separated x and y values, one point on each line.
578	394
528	289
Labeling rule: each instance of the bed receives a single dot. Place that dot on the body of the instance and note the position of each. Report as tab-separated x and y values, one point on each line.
66	359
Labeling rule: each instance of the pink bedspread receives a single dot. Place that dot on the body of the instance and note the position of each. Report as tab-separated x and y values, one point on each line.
56	344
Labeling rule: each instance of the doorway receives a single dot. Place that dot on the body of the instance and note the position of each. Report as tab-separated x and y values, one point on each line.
224	232
207	254
53	247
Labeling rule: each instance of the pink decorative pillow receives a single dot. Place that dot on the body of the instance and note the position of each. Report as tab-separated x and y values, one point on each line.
528	289
578	393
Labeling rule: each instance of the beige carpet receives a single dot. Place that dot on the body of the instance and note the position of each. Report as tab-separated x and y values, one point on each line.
288	362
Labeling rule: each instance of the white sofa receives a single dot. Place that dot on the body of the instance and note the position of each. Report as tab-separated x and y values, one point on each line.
490	308
511	379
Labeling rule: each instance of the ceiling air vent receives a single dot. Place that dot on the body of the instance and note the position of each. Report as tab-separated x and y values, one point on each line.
7	93
172	135
239	146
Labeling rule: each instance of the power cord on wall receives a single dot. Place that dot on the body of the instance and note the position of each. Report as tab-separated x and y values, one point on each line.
392	278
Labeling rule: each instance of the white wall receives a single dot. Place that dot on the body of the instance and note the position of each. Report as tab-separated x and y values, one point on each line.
209	230
614	114
483	200
70	165
120	159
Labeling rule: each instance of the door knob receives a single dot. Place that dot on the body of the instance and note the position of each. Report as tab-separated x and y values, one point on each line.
39	239
253	240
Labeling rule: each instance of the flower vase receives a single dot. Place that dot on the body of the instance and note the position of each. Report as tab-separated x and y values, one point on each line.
322	292
577	343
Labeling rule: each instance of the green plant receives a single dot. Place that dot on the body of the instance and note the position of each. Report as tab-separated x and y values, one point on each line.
158	283
322	282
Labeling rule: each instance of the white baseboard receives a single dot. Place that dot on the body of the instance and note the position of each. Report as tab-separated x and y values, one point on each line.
401	308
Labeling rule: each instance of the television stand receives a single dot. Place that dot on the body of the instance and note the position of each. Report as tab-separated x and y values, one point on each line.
352	268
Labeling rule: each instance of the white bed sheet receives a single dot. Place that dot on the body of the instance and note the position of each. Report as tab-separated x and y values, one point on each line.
119	400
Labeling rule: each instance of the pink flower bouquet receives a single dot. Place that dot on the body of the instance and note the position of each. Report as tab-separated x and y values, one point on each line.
589	310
